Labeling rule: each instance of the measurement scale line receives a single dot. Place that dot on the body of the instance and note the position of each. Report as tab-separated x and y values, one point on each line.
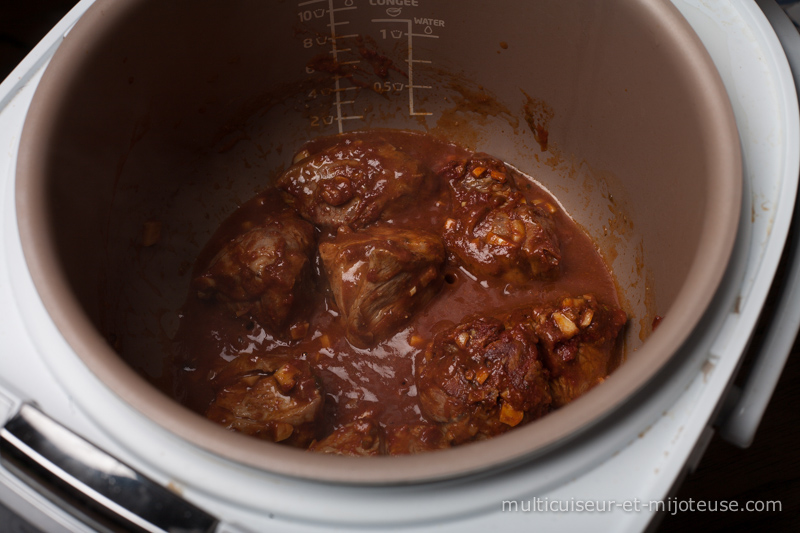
355	62
351	36
337	23
351	117
344	8
335	53
410	60
346	89
410	70
332	20
309	2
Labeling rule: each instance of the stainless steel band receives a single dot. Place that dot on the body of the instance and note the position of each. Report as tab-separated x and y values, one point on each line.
90	484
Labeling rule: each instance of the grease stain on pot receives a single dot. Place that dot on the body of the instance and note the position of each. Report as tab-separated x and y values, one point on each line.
538	115
472	108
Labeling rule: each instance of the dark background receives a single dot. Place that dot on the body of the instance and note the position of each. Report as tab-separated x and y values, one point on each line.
768	470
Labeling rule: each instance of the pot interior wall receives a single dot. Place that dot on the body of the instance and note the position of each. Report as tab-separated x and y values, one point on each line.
180	111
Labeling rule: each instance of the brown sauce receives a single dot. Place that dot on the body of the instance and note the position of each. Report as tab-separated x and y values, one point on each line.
376	382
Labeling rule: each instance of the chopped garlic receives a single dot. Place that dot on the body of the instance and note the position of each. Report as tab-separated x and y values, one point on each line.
286	376
462	339
510	416
283	431
497	240
587	318
566	325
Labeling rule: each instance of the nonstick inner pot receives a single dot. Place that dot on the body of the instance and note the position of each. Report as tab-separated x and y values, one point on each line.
177	112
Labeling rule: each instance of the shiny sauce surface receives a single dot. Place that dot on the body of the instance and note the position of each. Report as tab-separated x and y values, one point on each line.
377	382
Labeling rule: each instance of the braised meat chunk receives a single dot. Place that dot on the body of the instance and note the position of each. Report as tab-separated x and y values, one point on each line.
481	378
407	439
493	230
481	174
381	276
362	437
274	398
350	183
264	272
578	336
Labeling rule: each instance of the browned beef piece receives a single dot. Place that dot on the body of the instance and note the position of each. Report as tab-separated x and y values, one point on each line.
274	398
481	378
492	229
265	272
361	437
415	438
578	336
380	277
350	183
364	437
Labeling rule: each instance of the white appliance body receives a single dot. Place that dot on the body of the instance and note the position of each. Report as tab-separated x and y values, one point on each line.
619	470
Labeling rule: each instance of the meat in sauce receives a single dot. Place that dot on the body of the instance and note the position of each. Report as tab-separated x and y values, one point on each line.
361	437
494	231
273	398
353	183
394	294
380	276
265	271
482	378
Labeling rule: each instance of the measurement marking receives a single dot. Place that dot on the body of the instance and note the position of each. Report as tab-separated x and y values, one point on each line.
309	2
354	62
338	89
345	89
335	54
410	72
410	60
